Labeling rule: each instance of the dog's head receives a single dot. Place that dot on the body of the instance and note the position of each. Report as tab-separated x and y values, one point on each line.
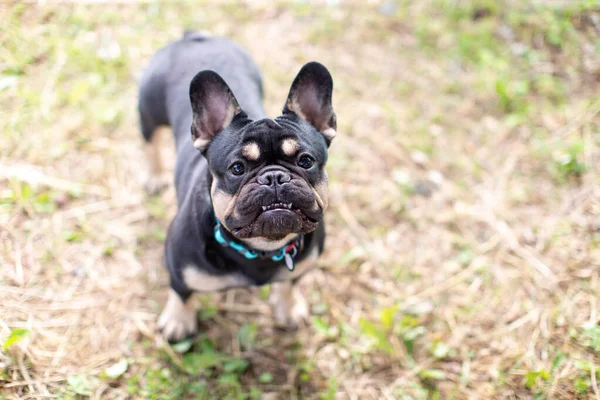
268	176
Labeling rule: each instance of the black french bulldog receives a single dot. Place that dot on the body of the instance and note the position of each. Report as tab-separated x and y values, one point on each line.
251	190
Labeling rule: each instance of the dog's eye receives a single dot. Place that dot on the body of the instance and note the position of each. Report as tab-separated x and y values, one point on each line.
306	162
237	168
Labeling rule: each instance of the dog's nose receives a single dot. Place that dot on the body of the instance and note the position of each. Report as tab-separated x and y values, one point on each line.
274	178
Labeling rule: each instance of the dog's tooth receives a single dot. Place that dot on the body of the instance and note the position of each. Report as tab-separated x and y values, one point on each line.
289	205
264	208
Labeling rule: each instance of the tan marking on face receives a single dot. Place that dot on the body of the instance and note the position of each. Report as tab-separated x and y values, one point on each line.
178	319
300	268
251	151
290	147
223	203
321	192
261	243
329	133
204	282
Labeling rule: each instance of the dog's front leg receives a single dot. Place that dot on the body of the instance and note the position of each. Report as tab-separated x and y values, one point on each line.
289	307
178	319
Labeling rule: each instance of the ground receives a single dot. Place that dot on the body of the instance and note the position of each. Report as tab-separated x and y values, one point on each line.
463	254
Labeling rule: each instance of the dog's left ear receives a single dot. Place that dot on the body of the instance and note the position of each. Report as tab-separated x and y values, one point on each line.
214	107
310	99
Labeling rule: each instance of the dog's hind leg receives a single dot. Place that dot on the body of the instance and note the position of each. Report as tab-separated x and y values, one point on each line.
157	178
153	117
153	120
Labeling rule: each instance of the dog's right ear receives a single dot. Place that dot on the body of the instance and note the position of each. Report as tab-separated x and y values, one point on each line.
214	106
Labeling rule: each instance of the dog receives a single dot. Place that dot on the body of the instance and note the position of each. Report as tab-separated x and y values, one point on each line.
251	190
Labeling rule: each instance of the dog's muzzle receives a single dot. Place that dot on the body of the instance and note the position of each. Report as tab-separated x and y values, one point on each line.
275	204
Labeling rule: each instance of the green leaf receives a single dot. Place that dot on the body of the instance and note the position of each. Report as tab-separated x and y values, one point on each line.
414	333
238	365
116	370
532	376
377	333
183	346
436	374
592	337
229	380
559	358
332	388
583	365
16	335
80	385
247	336
196	363
441	350
199	389
265	378
582	385
465	257
73	236
208	312
264	292
387	317
255	393
322	327
530	379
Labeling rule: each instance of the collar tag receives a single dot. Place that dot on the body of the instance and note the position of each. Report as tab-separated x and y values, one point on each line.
289	261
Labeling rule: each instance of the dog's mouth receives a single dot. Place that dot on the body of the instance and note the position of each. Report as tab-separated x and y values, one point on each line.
276	221
277	206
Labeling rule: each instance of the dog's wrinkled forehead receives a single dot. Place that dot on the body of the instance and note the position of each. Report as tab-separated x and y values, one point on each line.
267	140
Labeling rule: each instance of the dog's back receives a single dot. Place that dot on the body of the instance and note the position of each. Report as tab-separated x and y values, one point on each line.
164	86
164	98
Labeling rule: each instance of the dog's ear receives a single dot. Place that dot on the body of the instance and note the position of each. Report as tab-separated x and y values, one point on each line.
214	106
310	99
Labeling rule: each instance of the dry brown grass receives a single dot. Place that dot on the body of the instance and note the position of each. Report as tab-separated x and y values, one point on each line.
463	252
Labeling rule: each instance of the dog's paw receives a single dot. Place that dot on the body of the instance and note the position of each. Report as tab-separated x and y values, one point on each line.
156	184
178	320
290	310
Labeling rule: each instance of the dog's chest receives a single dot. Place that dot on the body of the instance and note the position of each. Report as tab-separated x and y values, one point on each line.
242	273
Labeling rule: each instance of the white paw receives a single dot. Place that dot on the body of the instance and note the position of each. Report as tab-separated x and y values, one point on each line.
290	309
178	320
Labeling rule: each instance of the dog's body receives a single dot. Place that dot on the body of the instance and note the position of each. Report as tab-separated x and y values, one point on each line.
251	190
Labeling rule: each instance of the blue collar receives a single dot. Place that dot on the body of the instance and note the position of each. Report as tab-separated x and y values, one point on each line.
286	253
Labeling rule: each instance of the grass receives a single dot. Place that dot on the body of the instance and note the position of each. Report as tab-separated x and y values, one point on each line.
463	253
